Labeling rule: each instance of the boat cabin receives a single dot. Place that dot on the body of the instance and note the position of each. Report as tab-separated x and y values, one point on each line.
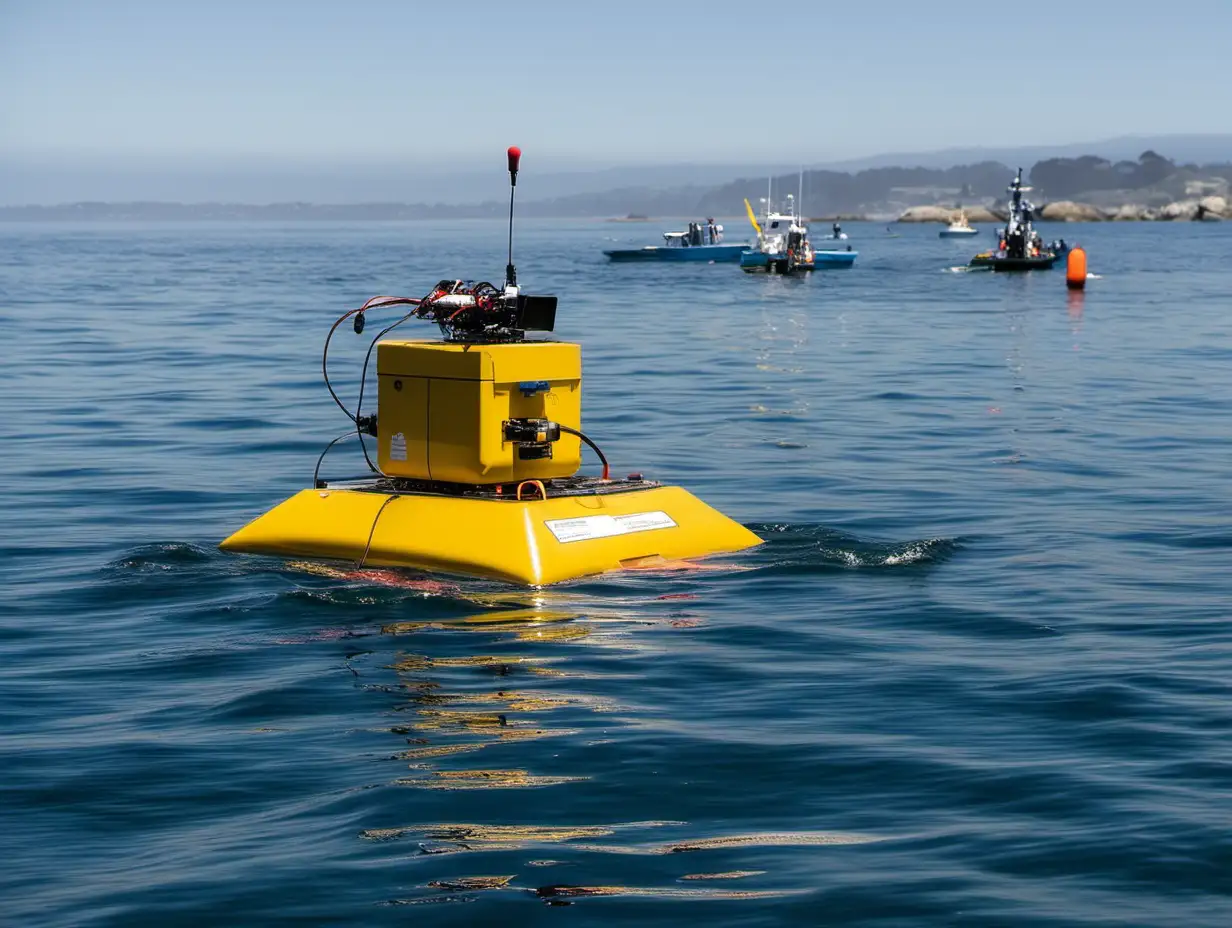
1019	239
783	231
698	233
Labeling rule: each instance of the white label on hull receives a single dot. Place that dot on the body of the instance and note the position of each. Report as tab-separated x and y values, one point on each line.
397	447
591	527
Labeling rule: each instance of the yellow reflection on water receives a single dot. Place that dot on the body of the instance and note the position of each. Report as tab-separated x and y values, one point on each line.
724	875
519	835
483	779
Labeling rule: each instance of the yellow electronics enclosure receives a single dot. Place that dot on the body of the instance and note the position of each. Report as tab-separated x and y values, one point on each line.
531	542
442	406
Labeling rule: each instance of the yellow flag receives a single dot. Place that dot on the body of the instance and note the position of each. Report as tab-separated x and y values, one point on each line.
752	216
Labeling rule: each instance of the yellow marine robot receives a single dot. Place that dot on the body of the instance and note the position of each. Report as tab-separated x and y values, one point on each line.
478	445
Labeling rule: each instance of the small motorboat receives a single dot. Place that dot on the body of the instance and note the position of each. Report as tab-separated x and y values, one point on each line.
834	257
1020	247
959	228
702	241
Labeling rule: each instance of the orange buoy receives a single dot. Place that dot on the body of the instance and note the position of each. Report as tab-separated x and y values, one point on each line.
1076	269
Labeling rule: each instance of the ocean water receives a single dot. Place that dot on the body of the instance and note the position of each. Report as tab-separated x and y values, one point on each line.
979	674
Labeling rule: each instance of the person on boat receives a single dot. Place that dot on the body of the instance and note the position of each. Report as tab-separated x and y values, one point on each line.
838	231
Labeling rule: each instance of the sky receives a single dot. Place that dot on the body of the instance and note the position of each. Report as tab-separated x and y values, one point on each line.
597	83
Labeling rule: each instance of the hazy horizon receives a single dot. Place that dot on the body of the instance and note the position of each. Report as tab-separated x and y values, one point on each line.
318	89
28	182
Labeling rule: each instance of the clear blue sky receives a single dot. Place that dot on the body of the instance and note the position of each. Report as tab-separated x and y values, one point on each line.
604	82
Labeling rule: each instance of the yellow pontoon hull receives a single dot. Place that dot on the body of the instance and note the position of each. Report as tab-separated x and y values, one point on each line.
529	542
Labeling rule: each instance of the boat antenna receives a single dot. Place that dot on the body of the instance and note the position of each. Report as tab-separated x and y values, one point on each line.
515	156
800	199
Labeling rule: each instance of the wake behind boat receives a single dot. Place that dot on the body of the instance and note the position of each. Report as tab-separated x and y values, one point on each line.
700	242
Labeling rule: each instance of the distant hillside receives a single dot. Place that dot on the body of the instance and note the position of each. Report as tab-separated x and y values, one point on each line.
30	180
875	191
24	181
1185	149
1151	176
881	191
1151	180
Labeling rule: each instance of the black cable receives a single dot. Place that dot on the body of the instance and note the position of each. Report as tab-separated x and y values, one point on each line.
325	359
363	382
372	531
607	472
316	471
376	302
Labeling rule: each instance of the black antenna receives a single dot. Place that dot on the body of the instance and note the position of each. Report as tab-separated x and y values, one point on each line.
515	155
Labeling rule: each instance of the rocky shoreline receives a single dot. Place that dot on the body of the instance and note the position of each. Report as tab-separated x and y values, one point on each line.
1204	209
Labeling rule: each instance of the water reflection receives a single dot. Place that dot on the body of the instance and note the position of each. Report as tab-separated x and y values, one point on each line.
505	690
1073	308
531	688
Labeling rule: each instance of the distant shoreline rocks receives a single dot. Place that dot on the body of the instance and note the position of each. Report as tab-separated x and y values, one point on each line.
1206	209
940	214
840	217
1216	206
1132	212
1069	211
946	214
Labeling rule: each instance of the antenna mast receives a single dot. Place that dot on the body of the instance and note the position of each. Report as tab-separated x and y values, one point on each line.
515	156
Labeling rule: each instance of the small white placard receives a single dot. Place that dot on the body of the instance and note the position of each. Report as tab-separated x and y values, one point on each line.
397	447
591	527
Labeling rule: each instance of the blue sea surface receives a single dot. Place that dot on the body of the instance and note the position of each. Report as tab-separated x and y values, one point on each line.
979	674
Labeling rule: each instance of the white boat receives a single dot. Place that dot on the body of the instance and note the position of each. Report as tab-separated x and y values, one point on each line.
959	228
783	245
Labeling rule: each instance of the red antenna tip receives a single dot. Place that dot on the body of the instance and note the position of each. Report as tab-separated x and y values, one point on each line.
515	155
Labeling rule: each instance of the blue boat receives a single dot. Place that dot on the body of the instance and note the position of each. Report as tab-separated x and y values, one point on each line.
829	258
783	245
701	242
754	262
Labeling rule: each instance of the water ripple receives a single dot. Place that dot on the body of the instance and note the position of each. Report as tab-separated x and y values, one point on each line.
978	674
